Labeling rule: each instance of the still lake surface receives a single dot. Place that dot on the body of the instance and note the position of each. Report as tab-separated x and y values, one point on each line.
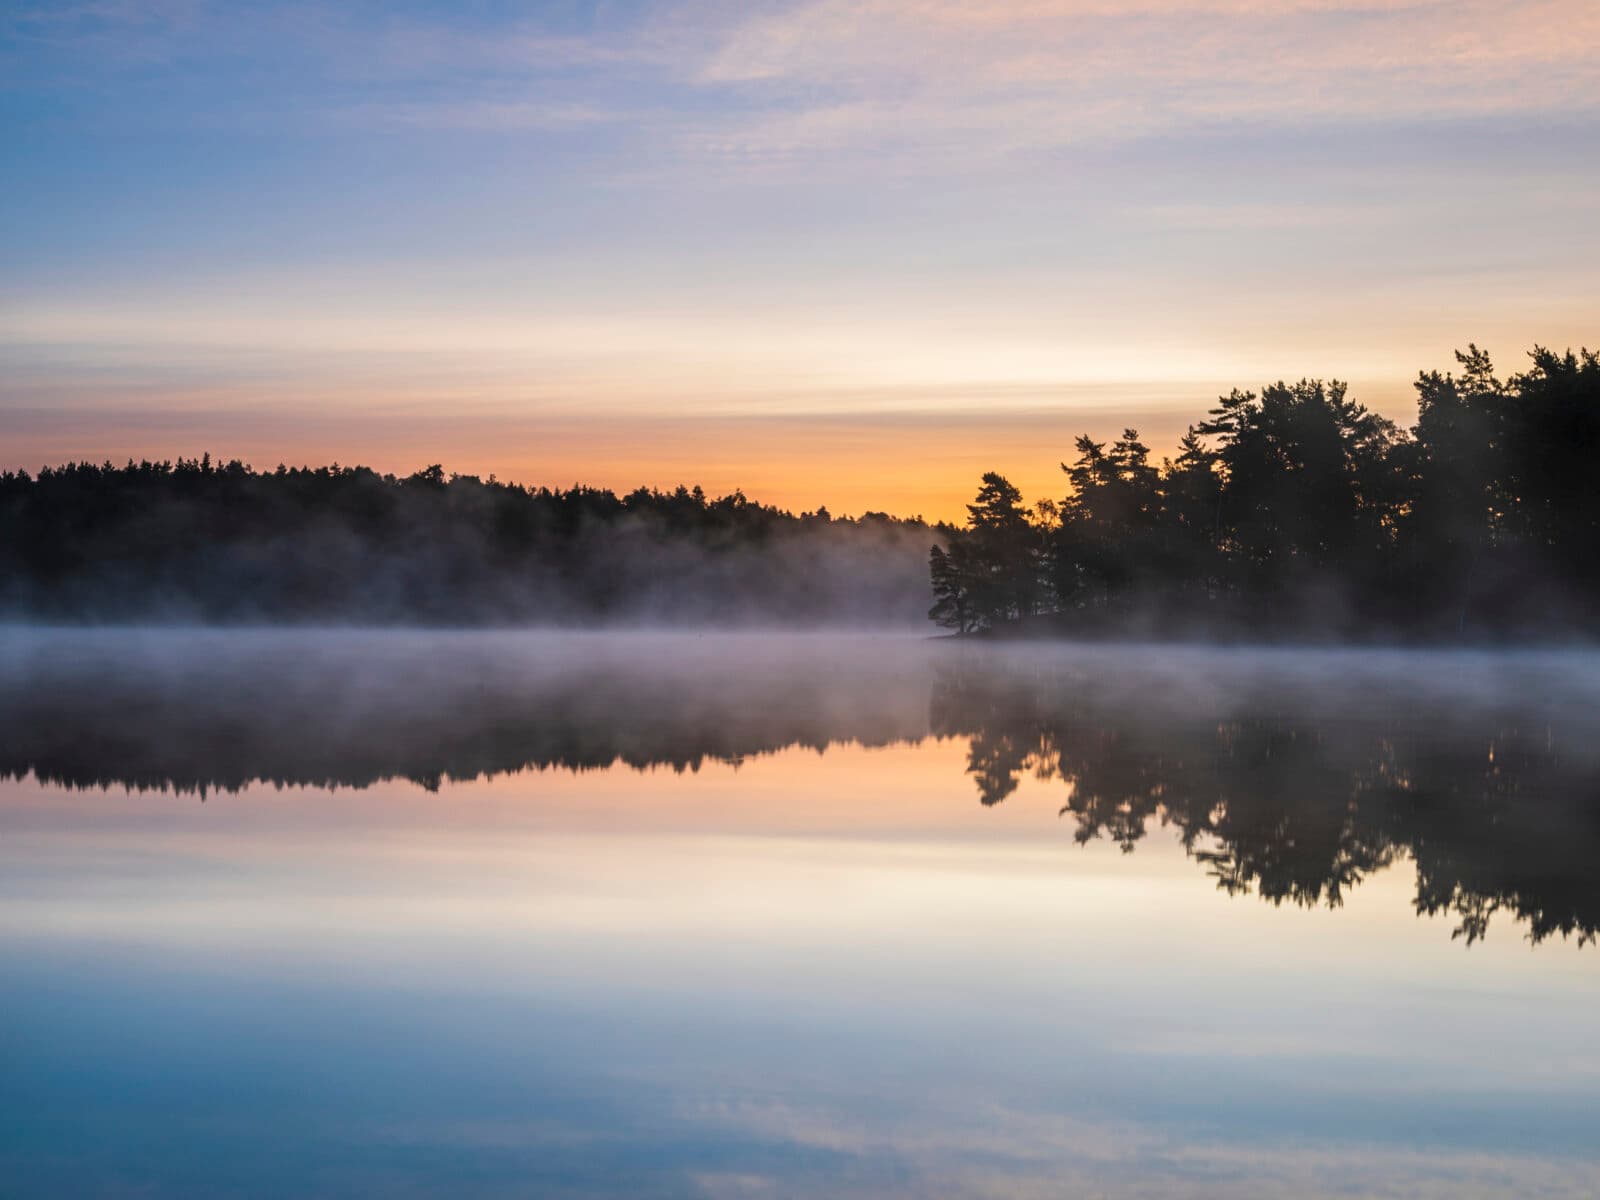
295	914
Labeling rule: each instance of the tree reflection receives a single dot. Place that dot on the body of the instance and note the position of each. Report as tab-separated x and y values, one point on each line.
1300	806
1288	777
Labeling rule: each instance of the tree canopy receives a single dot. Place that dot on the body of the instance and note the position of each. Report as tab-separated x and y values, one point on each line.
1296	510
197	540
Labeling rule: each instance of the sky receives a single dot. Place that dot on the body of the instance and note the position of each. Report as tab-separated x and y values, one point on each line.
840	252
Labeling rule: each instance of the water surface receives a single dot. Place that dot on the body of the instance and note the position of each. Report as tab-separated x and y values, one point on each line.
343	914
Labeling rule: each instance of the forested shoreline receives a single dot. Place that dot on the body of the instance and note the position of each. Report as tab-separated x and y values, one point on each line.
1295	512
199	541
1289	513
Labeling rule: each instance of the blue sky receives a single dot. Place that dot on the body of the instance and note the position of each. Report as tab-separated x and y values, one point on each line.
312	231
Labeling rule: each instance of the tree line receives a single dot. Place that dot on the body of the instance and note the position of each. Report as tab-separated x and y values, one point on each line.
1297	510
197	540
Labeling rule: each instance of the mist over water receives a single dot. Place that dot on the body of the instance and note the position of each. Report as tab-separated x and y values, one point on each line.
669	914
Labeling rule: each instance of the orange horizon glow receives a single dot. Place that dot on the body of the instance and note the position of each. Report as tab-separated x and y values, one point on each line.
827	252
906	464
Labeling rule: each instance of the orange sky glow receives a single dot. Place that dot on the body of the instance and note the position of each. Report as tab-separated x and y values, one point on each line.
848	253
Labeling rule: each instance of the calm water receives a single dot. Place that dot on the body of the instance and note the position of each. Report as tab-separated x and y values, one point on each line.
645	916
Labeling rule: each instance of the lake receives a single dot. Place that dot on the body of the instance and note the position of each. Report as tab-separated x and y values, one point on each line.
346	913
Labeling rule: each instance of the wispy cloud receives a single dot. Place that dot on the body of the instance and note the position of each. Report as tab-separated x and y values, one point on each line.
930	83
486	114
812	207
936	75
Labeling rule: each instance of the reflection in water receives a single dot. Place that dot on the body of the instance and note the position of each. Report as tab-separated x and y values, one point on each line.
1293	775
801	958
1298	784
215	712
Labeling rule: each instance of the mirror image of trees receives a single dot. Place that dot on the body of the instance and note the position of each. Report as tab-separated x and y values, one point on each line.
1295	510
1287	776
1297	795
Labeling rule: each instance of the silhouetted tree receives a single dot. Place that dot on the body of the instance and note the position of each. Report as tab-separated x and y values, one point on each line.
1307	499
1456	496
956	584
1549	439
1107	542
1297	511
1002	548
1191	518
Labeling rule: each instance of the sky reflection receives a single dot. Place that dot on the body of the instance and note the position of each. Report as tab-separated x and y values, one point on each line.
801	974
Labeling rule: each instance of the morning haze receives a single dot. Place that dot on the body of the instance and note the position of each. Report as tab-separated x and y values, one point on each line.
815	598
